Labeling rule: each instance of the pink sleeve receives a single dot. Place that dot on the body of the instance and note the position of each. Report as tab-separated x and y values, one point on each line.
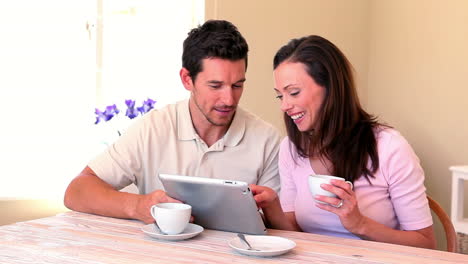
405	177
288	187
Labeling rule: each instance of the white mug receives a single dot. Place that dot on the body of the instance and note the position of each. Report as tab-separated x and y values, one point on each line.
316	180
172	218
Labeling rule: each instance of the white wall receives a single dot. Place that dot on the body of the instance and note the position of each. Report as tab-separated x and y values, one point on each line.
418	75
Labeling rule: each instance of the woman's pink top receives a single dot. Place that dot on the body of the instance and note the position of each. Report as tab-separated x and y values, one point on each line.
396	197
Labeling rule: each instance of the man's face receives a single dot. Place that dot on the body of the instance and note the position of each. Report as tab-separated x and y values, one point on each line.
216	91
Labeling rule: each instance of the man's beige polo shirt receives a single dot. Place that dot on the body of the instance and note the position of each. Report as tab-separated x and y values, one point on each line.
164	141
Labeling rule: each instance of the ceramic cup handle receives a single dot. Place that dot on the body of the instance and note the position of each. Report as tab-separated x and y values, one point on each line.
152	211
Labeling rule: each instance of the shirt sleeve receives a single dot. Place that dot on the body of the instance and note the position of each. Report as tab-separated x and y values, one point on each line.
119	164
405	177
288	186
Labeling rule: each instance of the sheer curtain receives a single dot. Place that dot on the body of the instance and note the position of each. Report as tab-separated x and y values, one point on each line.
57	64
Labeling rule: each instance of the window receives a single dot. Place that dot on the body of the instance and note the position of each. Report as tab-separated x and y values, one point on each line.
59	60
142	48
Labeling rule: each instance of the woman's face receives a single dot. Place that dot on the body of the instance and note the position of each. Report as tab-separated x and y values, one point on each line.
301	97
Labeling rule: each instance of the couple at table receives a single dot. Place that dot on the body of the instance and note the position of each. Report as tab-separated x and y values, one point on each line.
210	135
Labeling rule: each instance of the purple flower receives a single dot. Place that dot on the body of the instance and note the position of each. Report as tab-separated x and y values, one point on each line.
147	106
131	111
107	115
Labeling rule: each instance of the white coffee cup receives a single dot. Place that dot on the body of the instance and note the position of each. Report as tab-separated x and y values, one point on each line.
316	180
172	218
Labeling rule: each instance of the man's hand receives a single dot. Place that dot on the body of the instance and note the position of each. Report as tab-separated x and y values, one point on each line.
142	210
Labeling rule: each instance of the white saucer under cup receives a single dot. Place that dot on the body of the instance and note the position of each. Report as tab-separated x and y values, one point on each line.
265	246
190	231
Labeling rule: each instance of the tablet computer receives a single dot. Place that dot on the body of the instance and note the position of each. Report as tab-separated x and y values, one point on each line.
217	204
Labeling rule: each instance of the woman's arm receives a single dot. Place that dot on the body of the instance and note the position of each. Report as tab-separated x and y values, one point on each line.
372	230
366	228
268	200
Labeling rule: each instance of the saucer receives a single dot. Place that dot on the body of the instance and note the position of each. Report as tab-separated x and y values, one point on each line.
268	246
190	231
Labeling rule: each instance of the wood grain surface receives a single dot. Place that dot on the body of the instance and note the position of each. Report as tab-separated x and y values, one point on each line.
74	237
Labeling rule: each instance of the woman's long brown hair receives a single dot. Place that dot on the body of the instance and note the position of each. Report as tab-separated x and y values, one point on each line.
344	132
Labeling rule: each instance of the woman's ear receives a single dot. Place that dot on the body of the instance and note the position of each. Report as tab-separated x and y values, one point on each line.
186	79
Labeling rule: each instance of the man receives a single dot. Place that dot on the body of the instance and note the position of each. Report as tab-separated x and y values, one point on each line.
207	135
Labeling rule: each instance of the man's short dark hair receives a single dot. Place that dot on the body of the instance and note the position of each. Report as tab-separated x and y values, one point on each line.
213	39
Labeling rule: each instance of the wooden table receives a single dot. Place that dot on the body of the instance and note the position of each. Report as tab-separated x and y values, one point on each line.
75	237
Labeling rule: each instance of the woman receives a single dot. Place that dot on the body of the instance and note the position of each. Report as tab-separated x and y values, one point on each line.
329	133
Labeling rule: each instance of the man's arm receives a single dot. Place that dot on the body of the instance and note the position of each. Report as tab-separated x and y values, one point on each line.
89	194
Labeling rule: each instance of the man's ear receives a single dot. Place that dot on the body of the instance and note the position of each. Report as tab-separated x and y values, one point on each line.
186	79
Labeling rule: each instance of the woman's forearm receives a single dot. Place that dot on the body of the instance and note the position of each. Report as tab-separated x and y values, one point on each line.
374	231
277	219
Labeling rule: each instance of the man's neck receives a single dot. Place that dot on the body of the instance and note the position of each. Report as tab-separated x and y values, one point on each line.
211	134
208	132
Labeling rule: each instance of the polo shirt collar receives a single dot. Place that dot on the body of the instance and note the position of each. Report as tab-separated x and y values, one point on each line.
186	131
236	131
